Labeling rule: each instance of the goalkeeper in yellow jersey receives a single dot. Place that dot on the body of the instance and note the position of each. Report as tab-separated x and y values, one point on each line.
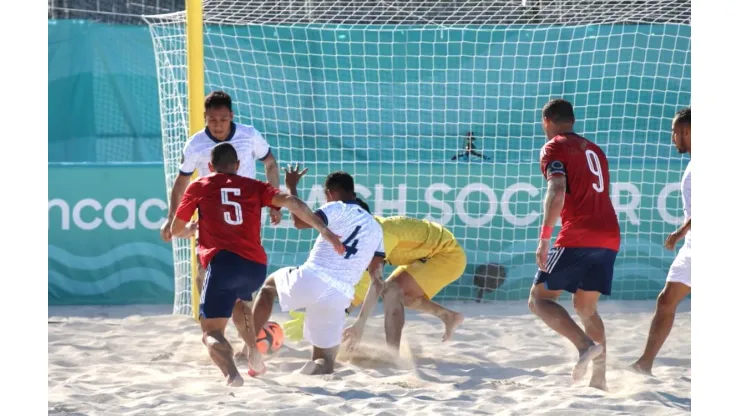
427	257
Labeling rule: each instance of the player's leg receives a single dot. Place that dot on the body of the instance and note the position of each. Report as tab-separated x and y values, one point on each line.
324	325
677	287
414	296
543	303
562	273
322	361
394	313
294	290
585	304
264	301
283	284
239	317
250	352
252	277
219	349
597	282
216	303
423	280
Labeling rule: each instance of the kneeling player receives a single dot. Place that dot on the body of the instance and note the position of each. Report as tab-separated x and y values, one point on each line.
230	250
428	259
324	284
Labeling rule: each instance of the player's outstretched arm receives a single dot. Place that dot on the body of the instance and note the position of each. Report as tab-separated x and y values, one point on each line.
293	175
553	205
353	334
302	211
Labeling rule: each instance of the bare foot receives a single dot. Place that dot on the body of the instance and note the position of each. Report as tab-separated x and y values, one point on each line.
236	381
581	367
642	368
598	384
451	323
316	367
256	366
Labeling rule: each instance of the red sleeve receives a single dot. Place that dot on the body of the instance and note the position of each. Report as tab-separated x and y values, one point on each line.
552	161
267	192
189	201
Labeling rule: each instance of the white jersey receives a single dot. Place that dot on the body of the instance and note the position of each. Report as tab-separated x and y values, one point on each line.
248	142
362	237
686	198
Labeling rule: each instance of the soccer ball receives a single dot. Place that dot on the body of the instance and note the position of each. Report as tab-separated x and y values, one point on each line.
270	338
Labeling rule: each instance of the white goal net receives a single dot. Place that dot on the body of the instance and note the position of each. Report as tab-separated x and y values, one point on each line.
394	92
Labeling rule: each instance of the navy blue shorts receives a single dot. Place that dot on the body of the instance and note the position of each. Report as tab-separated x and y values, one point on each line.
229	277
573	268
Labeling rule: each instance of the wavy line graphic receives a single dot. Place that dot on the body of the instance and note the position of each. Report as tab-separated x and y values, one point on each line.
117	254
111	282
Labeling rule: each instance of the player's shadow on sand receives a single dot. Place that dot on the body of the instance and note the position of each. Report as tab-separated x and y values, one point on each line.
349	394
673	362
683	403
479	373
475	369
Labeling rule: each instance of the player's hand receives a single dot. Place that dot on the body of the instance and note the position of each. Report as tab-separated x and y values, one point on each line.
293	175
351	337
334	240
542	248
165	232
275	216
673	239
191	228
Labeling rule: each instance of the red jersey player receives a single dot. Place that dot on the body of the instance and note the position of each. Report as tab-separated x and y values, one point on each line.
229	247
582	259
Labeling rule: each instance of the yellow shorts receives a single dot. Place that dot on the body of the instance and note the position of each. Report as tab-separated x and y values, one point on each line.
432	274
435	273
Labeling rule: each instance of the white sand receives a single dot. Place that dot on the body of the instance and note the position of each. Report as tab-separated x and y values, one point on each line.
143	361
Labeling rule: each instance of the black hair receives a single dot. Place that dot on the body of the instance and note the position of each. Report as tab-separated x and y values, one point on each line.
223	155
559	111
340	181
218	99
363	204
683	116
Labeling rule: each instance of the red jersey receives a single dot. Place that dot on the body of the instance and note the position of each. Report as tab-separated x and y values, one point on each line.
588	216
229	215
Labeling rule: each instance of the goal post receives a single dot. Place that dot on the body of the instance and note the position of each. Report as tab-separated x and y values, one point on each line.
196	109
435	108
180	74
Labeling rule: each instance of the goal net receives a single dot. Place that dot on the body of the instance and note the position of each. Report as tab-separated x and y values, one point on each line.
435	108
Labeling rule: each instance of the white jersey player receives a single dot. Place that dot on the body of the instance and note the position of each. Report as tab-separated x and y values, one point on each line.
324	284
678	282
249	144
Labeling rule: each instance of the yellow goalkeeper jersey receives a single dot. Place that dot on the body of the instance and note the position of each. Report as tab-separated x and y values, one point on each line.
409	239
